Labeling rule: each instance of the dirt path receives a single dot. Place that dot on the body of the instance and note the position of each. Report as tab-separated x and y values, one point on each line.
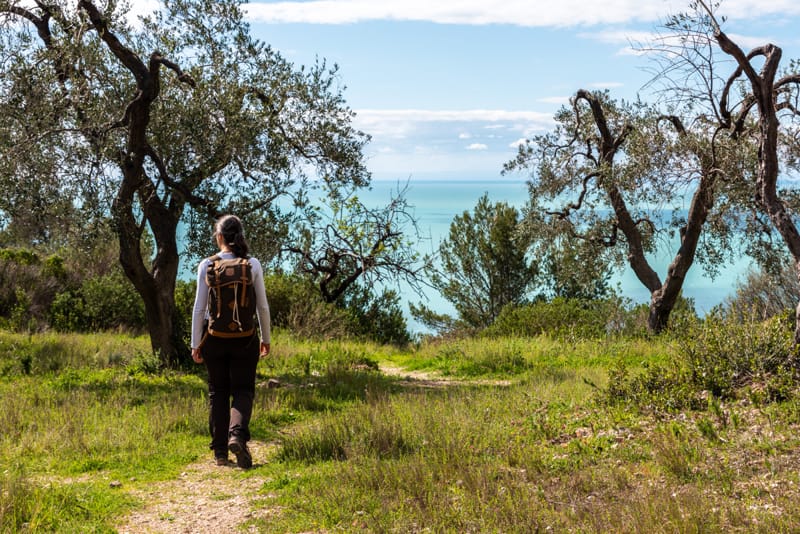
426	379
206	498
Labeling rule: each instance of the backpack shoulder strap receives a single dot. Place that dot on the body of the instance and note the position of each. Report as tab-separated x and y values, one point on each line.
212	287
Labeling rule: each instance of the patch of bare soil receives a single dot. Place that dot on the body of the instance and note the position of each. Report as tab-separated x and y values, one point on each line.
424	379
206	498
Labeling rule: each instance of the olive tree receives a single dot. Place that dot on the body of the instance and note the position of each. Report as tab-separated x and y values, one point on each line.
616	178
173	120
746	94
346	241
772	98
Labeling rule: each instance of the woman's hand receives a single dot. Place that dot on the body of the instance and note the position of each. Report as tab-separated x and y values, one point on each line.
196	356
264	349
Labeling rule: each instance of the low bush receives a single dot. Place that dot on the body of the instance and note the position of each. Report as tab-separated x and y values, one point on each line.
28	285
723	354
718	357
104	302
377	317
560	317
361	313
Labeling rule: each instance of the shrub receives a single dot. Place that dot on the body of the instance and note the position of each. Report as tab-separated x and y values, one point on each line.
68	313
112	302
285	291
560	317
716	358
101	303
297	305
28	286
184	305
764	293
724	354
376	317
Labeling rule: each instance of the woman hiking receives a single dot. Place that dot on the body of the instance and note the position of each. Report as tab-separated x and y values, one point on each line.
225	335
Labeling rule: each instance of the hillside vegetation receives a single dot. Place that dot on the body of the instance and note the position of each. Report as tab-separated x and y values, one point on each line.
689	433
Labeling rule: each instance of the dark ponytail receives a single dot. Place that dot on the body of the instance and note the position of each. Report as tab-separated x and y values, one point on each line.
232	231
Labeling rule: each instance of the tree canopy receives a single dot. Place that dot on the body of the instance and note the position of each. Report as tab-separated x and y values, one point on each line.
483	267
170	120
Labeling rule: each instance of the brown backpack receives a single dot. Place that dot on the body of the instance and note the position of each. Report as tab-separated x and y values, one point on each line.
231	297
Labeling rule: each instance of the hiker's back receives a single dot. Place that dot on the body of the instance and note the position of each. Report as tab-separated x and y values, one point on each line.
231	297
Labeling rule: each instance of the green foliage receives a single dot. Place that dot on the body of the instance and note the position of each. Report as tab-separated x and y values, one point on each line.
19	256
483	264
723	355
185	291
717	358
296	305
570	268
28	286
68	312
661	387
284	290
20	319
101	303
561	317
378	317
54	267
111	301
64	293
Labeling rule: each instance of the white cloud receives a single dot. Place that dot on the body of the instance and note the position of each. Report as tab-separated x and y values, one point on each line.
639	42
518	143
464	136
565	13
402	123
477	146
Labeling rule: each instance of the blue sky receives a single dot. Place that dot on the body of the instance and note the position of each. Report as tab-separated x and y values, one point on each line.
447	88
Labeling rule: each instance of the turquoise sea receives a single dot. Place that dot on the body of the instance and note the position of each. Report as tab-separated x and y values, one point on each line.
436	202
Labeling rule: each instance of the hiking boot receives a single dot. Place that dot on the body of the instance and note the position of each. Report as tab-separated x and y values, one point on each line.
239	448
221	460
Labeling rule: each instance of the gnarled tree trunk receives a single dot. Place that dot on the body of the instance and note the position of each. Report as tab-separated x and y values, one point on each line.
766	91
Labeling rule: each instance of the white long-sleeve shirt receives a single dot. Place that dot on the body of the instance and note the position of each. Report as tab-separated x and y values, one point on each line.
200	311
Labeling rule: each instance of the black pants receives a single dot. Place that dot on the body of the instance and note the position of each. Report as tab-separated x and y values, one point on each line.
231	365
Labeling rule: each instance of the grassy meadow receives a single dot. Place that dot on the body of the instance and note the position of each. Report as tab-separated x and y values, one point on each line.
639	434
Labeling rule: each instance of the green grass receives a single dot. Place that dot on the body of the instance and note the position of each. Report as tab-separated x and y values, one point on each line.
541	450
514	357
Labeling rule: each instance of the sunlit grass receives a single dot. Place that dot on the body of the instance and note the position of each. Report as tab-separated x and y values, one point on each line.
504	357
518	439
